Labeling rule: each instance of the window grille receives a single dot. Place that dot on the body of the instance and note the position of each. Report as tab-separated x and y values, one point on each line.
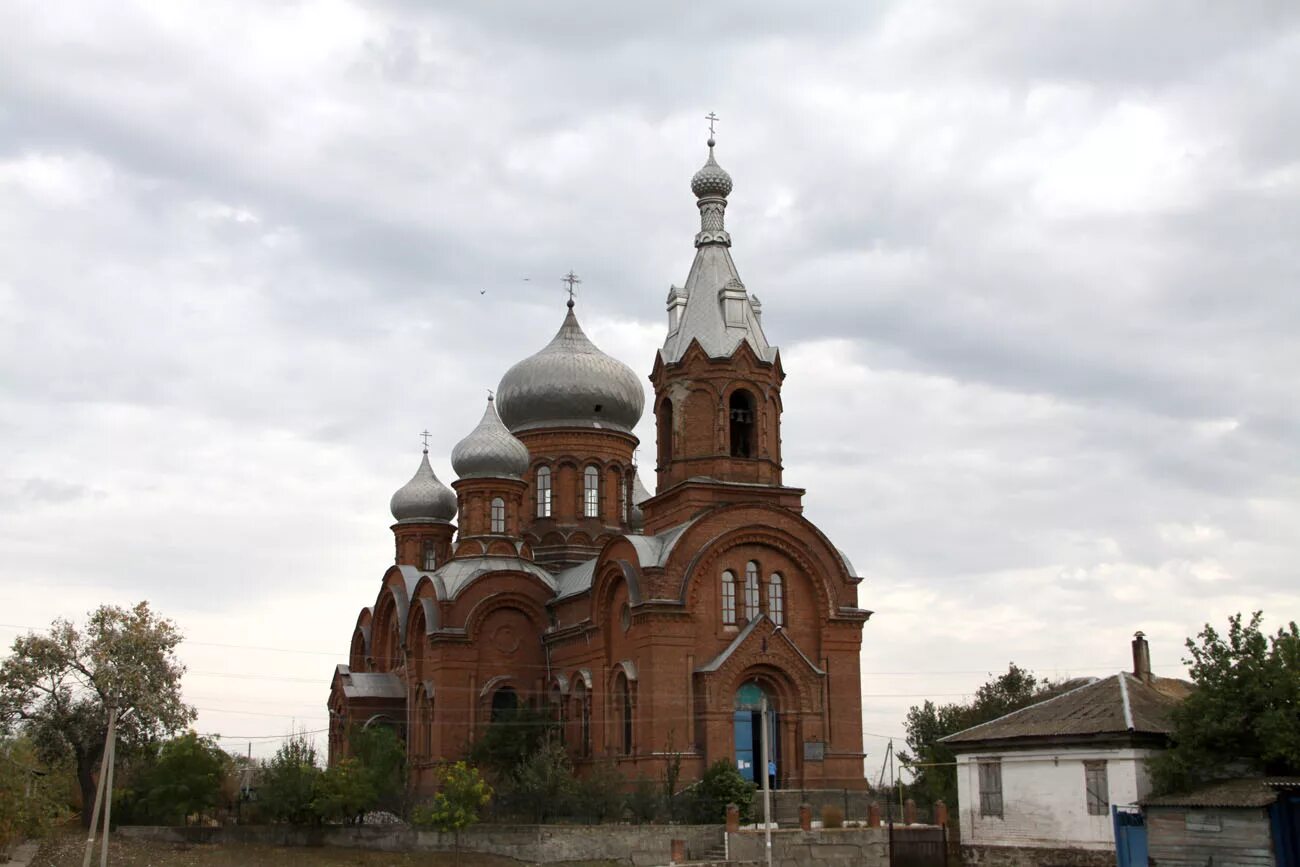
776	599
498	515
751	590
591	492
728	598
543	492
990	771
1096	788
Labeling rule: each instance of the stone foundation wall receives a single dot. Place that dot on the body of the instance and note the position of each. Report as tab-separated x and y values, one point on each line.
1034	856
837	847
635	845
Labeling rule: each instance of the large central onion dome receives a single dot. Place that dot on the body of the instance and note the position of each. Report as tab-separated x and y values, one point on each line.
424	497
570	383
490	452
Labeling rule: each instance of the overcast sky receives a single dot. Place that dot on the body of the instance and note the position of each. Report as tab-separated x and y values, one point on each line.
1032	267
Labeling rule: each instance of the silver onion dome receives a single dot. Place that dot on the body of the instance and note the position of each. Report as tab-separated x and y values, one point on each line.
570	383
712	179
424	497
490	451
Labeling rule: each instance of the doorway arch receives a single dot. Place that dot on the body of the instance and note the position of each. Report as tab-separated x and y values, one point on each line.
747	732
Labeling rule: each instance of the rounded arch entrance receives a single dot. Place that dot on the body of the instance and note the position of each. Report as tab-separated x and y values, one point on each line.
756	691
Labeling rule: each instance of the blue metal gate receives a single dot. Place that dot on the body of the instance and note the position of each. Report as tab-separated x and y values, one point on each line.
1130	836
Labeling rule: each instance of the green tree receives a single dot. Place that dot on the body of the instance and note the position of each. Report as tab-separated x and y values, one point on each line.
462	792
288	785
543	784
1244	716
57	688
600	793
343	792
935	777
185	779
645	800
382	755
508	741
29	793
721	785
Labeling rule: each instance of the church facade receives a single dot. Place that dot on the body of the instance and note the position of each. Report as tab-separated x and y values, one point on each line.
647	625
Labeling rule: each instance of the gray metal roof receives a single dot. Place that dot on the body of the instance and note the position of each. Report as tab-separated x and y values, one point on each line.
1120	704
575	579
721	659
424	497
358	684
636	517
455	575
654	550
1250	792
571	383
490	451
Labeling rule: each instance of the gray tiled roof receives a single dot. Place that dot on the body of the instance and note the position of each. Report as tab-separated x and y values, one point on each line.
1120	704
368	684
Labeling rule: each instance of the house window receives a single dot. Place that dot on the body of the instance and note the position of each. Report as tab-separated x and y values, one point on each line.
430	557
498	515
1097	788
990	787
591	492
543	492
728	599
776	599
751	590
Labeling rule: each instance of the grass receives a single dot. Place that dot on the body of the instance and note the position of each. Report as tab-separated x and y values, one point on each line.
65	847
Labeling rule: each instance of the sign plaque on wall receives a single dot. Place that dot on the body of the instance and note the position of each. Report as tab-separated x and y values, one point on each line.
814	751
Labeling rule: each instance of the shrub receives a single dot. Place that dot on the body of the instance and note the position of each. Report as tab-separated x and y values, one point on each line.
599	795
288	784
543	785
381	755
185	779
343	792
832	816
721	785
644	801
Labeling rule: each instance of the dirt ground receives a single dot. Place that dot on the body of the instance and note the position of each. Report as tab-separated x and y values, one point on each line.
66	846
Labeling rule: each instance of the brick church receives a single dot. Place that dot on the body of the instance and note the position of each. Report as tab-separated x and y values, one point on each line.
548	576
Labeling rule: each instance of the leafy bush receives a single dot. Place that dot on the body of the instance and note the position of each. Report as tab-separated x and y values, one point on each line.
543	785
721	785
29	796
288	784
343	792
510	740
832	816
645	800
381	754
185	779
599	795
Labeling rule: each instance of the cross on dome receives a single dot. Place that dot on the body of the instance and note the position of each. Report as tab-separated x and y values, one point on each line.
573	280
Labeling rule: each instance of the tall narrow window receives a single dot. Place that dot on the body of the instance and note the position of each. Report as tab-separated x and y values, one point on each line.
430	556
622	500
665	432
1096	788
584	719
591	492
728	598
751	590
543	492
498	515
623	695
776	599
990	771
741	407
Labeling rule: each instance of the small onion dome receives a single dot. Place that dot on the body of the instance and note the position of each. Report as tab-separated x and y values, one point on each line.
571	383
424	498
635	517
490	451
712	180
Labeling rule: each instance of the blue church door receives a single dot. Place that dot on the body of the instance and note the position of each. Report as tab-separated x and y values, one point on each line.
748	733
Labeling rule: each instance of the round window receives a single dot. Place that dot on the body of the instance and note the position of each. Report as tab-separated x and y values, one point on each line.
625	617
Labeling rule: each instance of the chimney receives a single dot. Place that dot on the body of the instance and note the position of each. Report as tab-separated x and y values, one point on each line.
1141	657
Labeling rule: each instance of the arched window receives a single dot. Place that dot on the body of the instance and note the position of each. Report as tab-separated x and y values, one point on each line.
504	703
622	500
665	432
728	598
584	718
427	725
430	556
591	492
498	515
751	590
623	699
776	599
543	492
741	408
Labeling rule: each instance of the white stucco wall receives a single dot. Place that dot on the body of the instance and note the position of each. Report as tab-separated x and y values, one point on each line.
1044	802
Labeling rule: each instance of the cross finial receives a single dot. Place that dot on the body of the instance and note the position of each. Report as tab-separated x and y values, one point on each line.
572	280
424	435
712	119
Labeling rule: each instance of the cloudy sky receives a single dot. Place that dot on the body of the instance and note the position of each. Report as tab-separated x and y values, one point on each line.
1032	267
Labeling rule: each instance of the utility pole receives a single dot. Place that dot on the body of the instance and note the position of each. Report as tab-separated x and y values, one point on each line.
99	788
767	791
108	798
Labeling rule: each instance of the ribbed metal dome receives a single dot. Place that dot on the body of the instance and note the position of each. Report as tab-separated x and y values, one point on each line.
424	498
712	180
571	383
490	451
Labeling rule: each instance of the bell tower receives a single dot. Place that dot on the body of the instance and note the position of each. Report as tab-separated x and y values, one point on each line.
717	381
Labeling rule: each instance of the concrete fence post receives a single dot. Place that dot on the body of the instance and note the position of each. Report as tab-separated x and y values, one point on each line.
805	816
679	852
873	815
909	812
940	813
733	818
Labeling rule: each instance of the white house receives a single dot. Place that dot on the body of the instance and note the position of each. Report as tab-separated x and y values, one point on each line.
1045	777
